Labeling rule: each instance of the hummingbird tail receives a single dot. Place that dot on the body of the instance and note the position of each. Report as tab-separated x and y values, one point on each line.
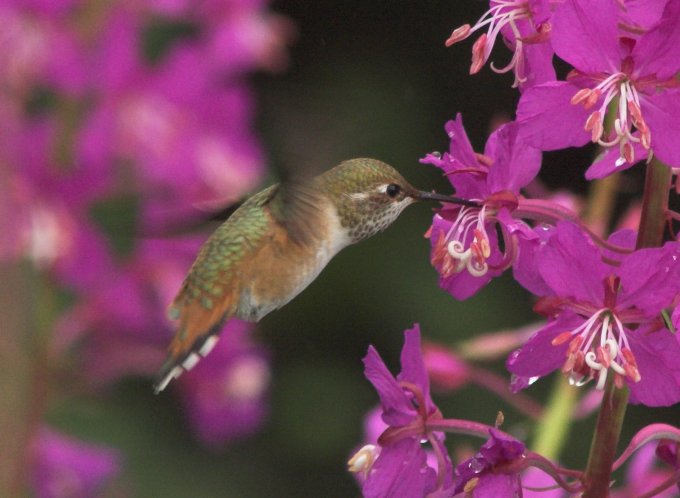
194	339
174	367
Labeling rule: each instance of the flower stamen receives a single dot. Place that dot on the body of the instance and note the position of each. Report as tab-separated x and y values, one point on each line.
502	13
470	221
629	115
596	347
363	460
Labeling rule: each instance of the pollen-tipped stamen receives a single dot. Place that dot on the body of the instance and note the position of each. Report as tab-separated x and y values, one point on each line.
596	347
363	460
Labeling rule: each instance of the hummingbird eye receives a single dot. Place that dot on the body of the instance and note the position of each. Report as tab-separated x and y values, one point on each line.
393	190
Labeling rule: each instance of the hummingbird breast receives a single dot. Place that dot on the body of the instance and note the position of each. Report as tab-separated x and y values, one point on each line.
282	267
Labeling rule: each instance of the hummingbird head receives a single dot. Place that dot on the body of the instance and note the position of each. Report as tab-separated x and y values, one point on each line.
369	195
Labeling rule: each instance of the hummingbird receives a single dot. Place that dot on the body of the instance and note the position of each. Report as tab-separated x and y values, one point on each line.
275	244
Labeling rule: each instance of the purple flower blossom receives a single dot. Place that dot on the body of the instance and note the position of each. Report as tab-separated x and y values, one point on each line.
401	468
643	474
122	138
465	249
605	318
445	369
666	451
169	134
225	396
538	484
525	29
63	467
611	67
494	470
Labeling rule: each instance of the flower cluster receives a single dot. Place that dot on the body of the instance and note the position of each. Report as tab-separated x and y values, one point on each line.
119	120
595	292
610	302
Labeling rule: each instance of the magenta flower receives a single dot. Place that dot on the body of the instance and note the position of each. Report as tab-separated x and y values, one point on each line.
537	484
63	467
465	249
643	474
605	319
363	457
155	138
667	451
225	396
611	67
525	29
445	369
401	469
494	470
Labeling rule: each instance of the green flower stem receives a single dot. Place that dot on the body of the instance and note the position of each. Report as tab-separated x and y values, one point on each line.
27	310
601	201
598	472
654	205
16	377
553	428
613	409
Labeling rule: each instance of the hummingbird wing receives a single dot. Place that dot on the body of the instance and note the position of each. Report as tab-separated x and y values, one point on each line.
296	207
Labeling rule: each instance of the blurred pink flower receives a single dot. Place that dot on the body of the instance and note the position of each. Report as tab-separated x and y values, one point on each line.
109	137
225	395
63	467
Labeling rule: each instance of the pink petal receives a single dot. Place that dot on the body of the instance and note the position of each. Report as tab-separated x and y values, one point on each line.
400	471
570	265
657	356
515	163
643	14
656	52
538	357
547	118
412	365
461	147
649	278
397	409
661	114
605	164
538	64
585	34
525	269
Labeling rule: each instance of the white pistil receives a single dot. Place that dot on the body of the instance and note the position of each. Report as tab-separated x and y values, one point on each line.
474	257
629	115
611	351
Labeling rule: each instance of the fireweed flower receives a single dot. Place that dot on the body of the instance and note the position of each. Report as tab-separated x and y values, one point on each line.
525	28
445	369
225	396
65	467
465	249
494	470
605	320
611	68
400	469
363	456
122	137
643	474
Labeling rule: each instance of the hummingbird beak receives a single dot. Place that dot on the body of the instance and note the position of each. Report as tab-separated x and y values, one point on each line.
433	196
